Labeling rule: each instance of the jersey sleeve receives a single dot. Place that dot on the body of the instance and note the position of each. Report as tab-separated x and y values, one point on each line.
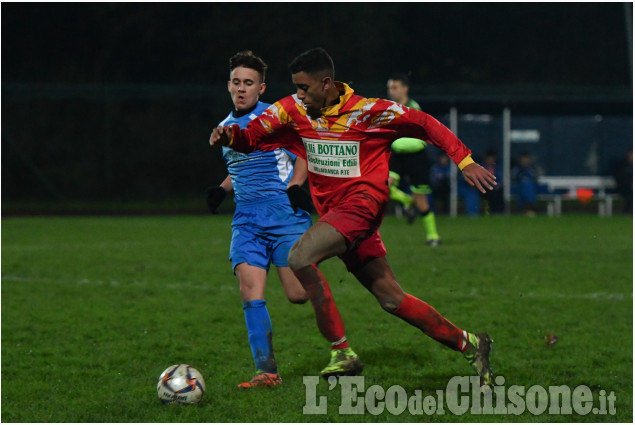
418	124
270	130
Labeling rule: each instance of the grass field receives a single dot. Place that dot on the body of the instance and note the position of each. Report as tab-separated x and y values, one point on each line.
95	308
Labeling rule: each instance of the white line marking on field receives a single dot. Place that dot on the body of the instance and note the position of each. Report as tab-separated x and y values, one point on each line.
112	282
618	296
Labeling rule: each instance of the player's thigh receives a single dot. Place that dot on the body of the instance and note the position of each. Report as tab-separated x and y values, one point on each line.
377	276
279	257
320	242
253	281
421	200
281	246
250	257
249	246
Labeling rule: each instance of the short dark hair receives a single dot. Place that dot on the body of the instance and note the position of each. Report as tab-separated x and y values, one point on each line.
400	76
313	61
247	59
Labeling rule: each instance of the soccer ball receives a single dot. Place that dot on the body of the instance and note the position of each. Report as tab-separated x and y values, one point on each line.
181	384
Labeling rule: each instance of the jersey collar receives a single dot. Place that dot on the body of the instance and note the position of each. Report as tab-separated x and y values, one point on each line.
238	114
334	110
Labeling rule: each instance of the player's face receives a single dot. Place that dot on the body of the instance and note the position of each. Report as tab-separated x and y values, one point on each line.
245	87
312	91
525	161
397	92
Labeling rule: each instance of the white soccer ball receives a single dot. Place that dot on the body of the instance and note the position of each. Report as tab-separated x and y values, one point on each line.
181	384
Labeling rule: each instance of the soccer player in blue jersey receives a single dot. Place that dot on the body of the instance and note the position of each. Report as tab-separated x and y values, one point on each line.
271	214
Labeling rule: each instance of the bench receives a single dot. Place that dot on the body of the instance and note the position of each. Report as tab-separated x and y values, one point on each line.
565	187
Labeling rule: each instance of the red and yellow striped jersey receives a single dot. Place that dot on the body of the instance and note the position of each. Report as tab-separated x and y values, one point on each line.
347	149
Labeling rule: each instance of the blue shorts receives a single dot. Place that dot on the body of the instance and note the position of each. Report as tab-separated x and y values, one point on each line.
264	232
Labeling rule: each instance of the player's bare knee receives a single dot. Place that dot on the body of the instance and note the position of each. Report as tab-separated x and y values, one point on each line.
390	300
246	292
389	304
294	260
247	287
297	260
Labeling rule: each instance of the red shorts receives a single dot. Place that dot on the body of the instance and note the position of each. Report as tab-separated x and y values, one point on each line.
358	220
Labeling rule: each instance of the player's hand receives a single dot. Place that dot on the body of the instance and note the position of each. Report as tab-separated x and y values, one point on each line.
215	196
299	198
479	177
222	136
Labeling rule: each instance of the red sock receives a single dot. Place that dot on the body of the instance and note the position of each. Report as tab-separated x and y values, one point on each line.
327	315
423	316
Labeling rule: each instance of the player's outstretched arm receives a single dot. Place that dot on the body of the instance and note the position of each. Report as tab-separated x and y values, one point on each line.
246	140
418	124
479	177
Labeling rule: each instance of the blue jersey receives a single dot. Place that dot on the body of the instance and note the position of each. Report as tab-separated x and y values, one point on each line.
258	175
264	227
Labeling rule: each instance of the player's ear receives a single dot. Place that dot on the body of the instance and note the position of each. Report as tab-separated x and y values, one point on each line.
327	83
263	87
229	86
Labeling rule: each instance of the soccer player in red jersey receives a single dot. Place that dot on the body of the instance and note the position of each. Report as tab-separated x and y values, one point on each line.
346	140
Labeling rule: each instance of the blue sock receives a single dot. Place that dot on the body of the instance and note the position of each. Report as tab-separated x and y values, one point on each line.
260	335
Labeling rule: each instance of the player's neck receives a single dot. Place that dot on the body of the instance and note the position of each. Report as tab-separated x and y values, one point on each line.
333	97
237	113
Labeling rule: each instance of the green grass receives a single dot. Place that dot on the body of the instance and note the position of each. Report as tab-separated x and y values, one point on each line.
95	308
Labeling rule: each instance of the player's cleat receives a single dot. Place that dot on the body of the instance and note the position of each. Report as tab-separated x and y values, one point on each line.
433	242
477	354
262	379
344	362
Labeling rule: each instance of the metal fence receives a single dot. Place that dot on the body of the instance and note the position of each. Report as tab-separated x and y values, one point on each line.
149	142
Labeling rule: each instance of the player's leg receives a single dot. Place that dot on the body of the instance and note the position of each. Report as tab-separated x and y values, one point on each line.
250	259
279	257
418	168
377	276
428	219
397	194
252	281
421	200
259	330
292	287
394	181
528	188
320	242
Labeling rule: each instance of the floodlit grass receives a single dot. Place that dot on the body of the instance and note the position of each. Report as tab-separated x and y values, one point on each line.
95	308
